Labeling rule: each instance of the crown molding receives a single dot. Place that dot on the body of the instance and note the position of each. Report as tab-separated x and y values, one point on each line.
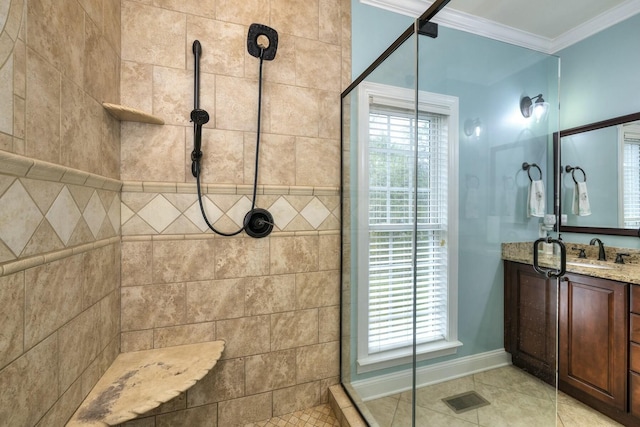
601	22
474	24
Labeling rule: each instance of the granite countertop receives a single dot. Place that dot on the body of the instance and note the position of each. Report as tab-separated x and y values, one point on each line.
629	272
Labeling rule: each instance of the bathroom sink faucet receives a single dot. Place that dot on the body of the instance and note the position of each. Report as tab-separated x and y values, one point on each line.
601	254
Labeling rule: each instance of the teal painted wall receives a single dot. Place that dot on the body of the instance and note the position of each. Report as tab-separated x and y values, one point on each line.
489	78
601	80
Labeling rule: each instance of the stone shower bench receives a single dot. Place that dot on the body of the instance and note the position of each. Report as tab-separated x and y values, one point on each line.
140	381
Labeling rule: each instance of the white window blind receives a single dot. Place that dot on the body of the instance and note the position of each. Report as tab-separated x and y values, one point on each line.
394	228
631	177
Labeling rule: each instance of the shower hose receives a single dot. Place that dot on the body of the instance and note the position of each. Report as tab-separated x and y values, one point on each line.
196	165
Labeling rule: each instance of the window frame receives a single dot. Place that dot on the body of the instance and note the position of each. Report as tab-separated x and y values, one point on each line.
427	102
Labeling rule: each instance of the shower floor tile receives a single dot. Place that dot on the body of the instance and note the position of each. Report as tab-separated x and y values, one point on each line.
318	416
516	399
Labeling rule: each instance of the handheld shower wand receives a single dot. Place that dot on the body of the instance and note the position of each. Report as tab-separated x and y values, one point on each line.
257	222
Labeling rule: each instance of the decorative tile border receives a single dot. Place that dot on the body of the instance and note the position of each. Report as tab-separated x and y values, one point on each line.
47	208
156	208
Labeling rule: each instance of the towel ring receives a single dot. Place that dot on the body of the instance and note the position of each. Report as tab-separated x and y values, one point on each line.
526	166
573	170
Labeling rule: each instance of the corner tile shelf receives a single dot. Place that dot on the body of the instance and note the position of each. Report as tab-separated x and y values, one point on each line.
140	381
129	114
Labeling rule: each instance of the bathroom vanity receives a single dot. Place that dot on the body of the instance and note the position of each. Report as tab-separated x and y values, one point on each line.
597	319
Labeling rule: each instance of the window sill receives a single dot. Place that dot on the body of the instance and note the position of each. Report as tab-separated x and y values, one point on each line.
404	356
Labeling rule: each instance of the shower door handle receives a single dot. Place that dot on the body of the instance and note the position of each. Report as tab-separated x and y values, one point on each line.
549	272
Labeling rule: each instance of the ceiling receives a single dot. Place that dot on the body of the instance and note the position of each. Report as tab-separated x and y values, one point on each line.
544	25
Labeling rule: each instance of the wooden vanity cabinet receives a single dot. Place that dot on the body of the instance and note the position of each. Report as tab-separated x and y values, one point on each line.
634	351
530	320
593	339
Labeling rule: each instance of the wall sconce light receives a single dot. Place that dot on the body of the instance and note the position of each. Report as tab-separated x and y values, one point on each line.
473	127
538	109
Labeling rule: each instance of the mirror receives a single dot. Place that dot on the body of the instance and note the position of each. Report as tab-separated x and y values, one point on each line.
601	160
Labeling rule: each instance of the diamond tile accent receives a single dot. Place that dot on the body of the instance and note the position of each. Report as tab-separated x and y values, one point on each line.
239	211
19	217
125	213
94	214
315	212
64	215
114	213
195	215
159	213
282	212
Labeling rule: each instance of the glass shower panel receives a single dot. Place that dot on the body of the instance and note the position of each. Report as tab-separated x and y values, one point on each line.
379	205
433	147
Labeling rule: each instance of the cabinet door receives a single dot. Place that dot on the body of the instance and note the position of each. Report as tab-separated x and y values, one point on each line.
530	320
593	338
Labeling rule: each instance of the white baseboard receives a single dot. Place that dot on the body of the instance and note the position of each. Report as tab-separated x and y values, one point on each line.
389	384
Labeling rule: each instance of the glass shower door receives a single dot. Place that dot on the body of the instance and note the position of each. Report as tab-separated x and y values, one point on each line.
433	147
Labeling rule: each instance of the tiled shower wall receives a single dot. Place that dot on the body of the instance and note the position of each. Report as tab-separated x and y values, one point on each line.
275	300
59	205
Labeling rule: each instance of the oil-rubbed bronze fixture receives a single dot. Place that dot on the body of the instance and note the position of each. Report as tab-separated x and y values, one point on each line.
537	109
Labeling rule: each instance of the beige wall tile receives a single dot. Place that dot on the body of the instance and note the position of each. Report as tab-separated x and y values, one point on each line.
294	254
277	159
79	342
318	65
244	410
110	146
78	129
215	300
109	323
269	294
329	323
100	274
189	7
316	362
224	382
223	45
205	416
271	371
141	422
137	261
330	24
329	252
292	110
222	160
145	307
317	289
112	26
329	116
53	296
101	66
244	12
184	334
241	257
6	97
293	17
163	148
245	336
136	340
33	385
294	329
136	85
64	408
172	95
296	398
55	31
43	110
192	264
236	101
153	35
11	317
317	162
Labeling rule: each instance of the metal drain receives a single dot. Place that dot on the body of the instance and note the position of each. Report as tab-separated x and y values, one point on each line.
465	402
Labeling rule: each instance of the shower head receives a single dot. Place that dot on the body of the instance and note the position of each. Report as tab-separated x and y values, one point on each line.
199	117
257	47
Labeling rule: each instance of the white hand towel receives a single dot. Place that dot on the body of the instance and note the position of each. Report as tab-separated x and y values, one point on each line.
580	206
536	199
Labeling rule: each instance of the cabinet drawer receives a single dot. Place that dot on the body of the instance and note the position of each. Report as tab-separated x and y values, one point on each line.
634	394
635	299
634	328
634	357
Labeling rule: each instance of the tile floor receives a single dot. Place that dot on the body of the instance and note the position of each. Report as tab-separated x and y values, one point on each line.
319	416
517	399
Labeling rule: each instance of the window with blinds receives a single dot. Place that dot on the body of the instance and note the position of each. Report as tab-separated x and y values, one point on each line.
404	202
631	179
